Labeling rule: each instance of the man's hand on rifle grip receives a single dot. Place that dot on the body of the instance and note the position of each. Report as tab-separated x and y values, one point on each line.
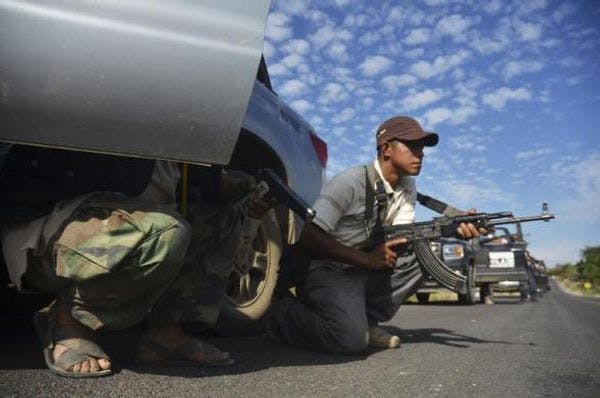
383	256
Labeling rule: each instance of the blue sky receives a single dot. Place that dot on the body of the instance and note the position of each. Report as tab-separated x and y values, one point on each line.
512	88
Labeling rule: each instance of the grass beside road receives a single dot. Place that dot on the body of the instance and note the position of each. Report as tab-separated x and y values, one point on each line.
577	287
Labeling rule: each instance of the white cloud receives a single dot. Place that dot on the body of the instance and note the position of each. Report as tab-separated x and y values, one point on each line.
278	27
338	51
464	142
533	153
301	105
294	7
498	99
327	34
296	46
375	65
415	100
268	50
414	53
562	11
570	61
528	31
492	7
396	14
441	64
292	88
345	115
356	20
417	36
435	2
292	60
515	68
393	82
487	46
316	121
453	25
369	38
278	69
333	92
527	7
341	73
341	3
584	190
459	115
463	194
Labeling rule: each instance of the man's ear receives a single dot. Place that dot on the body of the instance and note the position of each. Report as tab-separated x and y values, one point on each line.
385	150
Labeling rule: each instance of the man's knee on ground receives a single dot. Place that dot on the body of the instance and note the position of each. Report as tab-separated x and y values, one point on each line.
346	338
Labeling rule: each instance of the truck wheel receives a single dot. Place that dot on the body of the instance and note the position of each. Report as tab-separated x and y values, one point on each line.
423	298
248	293
470	297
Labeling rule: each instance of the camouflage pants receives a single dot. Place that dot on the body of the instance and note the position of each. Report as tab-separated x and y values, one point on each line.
117	263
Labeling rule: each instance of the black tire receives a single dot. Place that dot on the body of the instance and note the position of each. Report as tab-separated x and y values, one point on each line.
423	298
248	296
470	297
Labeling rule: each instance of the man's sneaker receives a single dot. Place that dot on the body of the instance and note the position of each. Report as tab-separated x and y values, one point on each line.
488	300
379	337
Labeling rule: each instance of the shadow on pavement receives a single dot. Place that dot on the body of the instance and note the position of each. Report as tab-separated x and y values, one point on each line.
443	337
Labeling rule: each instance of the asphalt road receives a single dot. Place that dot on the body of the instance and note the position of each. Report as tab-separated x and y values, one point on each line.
550	348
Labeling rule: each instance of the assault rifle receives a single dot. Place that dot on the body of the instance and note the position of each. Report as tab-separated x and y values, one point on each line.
420	233
278	192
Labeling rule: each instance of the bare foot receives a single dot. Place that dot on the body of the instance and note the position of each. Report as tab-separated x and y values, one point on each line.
92	364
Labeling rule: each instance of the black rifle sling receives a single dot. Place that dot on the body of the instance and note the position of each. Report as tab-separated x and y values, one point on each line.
438	206
373	196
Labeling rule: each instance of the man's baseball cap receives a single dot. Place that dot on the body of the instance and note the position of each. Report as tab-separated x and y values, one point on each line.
404	128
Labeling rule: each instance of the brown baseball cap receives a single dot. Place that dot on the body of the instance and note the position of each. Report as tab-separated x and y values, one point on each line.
404	128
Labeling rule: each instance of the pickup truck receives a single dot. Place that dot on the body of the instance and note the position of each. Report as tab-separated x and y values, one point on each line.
181	81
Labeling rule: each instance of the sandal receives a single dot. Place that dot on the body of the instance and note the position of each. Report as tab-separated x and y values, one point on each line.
79	349
178	356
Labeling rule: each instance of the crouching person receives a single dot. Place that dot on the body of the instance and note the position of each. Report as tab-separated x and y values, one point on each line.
102	234
349	290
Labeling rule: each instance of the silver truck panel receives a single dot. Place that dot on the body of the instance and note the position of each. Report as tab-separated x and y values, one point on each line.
156	78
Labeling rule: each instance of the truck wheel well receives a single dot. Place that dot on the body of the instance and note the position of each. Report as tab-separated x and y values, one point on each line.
252	154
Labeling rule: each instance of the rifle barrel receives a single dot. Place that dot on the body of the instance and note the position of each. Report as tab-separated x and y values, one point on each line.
514	220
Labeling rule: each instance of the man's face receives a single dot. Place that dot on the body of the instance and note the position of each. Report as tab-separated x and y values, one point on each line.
406	157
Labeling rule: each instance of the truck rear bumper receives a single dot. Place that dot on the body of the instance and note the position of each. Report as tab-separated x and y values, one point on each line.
495	275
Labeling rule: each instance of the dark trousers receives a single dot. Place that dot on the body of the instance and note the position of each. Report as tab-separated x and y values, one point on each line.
335	308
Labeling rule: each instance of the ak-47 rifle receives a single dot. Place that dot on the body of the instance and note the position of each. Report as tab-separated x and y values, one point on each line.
421	233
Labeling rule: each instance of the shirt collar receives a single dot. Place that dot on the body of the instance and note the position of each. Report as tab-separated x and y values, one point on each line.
388	188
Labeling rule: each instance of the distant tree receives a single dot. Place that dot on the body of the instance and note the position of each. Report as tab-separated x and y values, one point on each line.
564	271
588	268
